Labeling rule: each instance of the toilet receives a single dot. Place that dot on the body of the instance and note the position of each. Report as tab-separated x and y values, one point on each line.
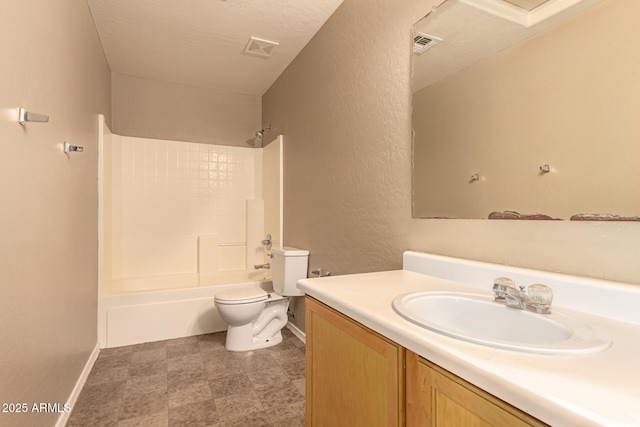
255	317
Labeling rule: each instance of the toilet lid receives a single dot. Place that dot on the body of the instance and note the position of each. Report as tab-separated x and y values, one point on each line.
241	296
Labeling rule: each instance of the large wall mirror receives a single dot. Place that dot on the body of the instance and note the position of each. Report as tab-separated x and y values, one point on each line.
527	109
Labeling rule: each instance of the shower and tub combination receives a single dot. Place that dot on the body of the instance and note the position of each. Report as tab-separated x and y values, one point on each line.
180	223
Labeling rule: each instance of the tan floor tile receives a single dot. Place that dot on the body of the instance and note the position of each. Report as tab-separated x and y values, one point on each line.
300	384
255	419
280	396
98	405
189	392
147	369
137	403
107	375
182	350
217	337
100	397
237	405
265	379
182	341
114	360
285	345
290	355
194	381
148	382
294	370
255	360
116	351
186	362
93	419
211	346
286	412
154	420
295	421
199	414
232	384
187	374
154	345
152	355
218	354
215	370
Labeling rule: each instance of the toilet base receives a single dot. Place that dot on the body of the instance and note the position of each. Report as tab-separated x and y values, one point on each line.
257	343
264	332
239	340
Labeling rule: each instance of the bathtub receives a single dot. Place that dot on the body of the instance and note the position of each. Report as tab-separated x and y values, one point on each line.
137	310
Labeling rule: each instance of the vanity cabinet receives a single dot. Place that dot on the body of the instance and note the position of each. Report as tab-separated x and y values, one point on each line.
357	377
436	398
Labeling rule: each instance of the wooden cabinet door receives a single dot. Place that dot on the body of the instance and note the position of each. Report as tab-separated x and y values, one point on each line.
437	398
355	377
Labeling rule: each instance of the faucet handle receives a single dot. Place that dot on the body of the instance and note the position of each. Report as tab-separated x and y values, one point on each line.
267	242
540	297
501	287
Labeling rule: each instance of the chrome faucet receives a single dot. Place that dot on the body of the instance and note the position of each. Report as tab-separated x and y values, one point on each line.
536	297
262	266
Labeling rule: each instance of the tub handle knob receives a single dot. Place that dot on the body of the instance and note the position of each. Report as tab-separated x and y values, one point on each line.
267	242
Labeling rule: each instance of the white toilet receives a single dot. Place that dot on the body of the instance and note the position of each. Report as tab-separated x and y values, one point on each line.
256	317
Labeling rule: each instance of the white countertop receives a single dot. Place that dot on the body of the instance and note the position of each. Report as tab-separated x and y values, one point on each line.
601	389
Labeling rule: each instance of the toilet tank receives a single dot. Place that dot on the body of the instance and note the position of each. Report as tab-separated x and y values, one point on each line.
288	265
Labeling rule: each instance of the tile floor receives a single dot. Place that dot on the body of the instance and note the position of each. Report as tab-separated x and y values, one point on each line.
193	382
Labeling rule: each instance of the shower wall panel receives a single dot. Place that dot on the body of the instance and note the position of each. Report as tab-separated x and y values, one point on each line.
165	194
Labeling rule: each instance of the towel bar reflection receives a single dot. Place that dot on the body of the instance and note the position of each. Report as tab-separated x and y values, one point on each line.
25	116
68	147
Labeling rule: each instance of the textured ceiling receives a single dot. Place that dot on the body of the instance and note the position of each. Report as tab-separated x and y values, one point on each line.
201	42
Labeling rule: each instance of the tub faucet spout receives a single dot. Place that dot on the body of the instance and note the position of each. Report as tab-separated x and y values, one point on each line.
262	266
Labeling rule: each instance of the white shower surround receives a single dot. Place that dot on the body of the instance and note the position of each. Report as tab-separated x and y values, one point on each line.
169	203
142	299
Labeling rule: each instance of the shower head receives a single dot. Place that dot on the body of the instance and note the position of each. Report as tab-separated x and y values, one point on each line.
260	133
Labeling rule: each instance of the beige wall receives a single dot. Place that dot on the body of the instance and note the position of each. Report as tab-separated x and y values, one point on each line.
272	190
344	106
154	109
52	63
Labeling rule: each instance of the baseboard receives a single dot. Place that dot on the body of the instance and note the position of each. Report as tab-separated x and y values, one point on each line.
297	332
75	393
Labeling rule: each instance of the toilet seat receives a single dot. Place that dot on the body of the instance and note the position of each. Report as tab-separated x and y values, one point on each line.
241	296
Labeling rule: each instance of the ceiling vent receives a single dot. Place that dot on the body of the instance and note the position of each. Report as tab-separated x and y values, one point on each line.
422	42
260	47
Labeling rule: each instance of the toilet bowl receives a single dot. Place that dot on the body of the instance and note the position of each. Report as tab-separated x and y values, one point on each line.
255	317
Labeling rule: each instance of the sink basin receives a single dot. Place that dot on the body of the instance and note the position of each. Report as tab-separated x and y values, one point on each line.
481	320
